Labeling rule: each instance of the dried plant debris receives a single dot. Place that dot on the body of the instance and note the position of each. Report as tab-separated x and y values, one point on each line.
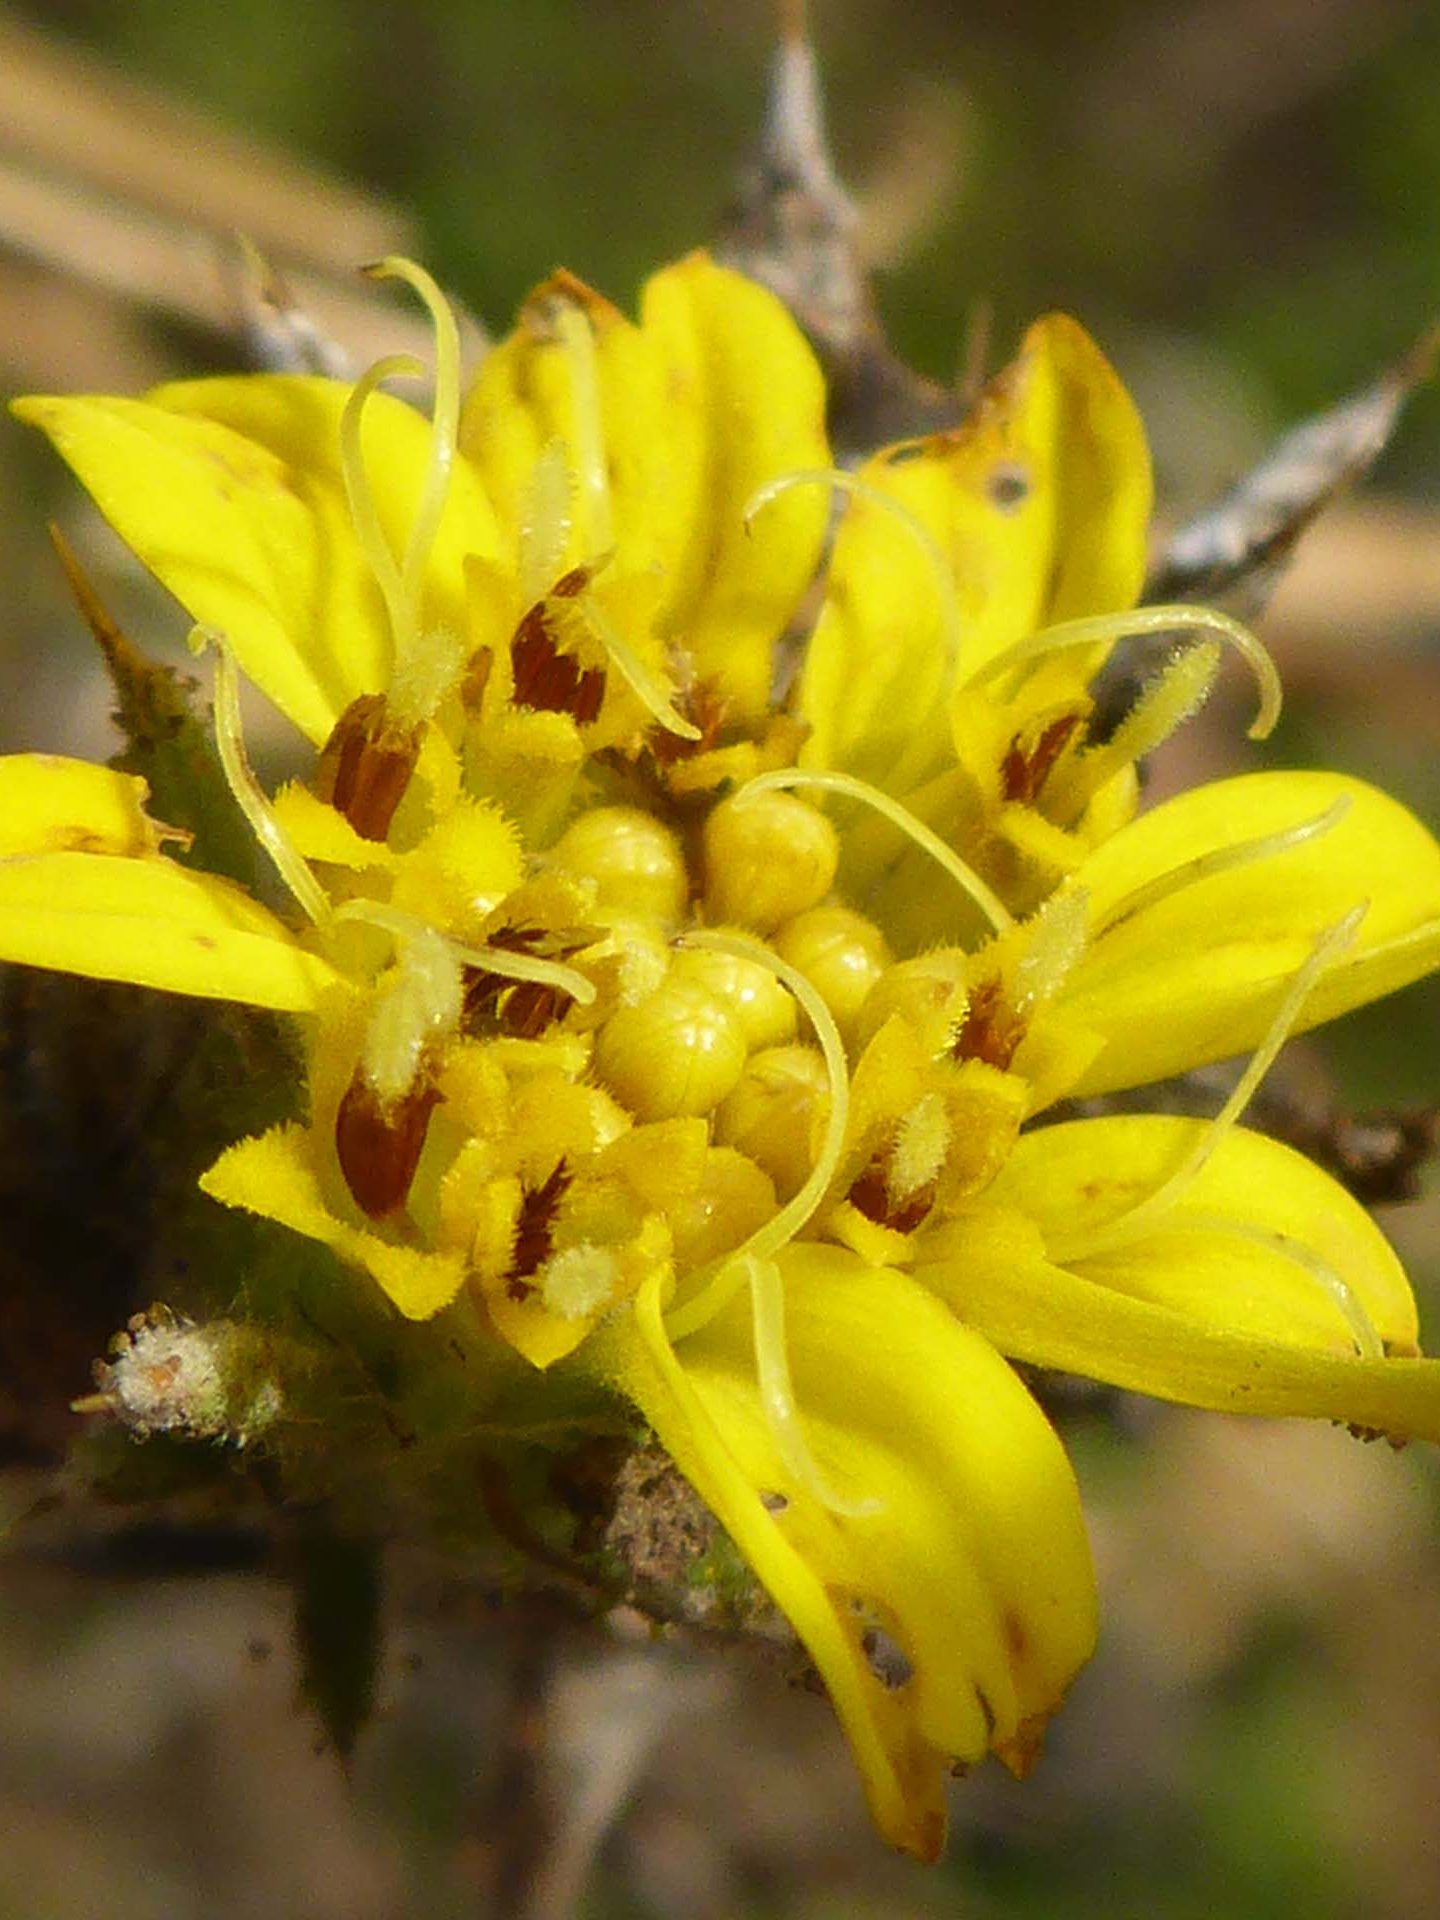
296	322
1378	1156
794	228
167	743
276	331
1236	548
664	1550
168	1375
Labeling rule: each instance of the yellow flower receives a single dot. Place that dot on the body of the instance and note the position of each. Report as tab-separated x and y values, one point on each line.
675	1033
971	600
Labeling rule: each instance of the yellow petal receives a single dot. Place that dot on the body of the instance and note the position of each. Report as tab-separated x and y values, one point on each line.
1197	975
52	805
155	924
712	395
948	1614
230	491
462	869
523	401
273	1175
998	1280
318	831
1218	1255
1038	506
529	1326
744	403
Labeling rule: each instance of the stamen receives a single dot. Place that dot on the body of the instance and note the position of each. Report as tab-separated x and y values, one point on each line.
368	530
422	673
935	562
416	1009
535	1229
379	1141
922	1145
1039	839
1141	1219
777	1393
633	671
1368	1343
965	877
444	418
365	766
579	1281
249	795
576	336
1056	942
546	519
1026	765
990	1029
1172	697
1204	866
504	961
545	680
1104	628
529	967
782	1227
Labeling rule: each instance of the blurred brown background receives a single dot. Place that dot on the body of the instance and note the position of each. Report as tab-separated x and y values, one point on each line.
1237	197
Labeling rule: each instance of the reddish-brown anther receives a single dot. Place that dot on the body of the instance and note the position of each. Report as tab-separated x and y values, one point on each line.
379	1147
870	1195
523	1008
1024	770
534	1230
991	1029
547	680
704	706
366	764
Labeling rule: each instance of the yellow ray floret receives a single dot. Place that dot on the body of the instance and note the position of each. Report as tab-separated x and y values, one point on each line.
1179	977
949	1609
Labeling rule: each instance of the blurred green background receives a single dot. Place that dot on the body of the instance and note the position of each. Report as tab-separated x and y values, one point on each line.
1251	174
1238	198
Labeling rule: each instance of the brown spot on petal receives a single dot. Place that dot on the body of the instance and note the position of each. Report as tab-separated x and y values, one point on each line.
983	1702
476	678
366	764
886	1659
1017	1639
1022	1750
930	1835
1008	486
379	1147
